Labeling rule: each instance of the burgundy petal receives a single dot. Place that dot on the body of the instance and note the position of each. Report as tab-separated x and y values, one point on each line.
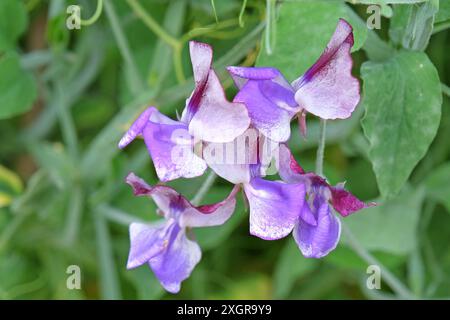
346	203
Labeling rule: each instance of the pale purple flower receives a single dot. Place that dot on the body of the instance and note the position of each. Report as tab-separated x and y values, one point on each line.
207	117
167	246
327	89
274	205
317	231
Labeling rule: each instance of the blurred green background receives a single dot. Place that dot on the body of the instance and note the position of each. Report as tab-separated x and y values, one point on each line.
67	96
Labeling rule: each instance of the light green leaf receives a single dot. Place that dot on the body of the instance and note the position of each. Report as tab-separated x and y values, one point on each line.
17	87
444	11
13	22
291	266
10	186
389	227
411	26
402	98
437	185
303	30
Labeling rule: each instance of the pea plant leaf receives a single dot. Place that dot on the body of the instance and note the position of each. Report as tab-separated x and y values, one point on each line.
303	30
17	87
403	99
391	226
411	26
13	22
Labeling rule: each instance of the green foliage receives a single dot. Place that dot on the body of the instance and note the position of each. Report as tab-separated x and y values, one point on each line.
13	22
303	29
17	87
403	109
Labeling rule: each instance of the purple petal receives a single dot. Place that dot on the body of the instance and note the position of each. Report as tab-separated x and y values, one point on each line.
175	206
266	116
146	241
210	215
171	148
201	59
346	203
177	261
274	207
136	128
241	75
289	169
328	89
317	241
217	119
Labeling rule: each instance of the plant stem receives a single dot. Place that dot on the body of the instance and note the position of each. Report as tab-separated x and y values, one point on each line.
241	13
445	89
396	285
269	20
321	147
152	24
66	122
136	85
95	16
209	181
213	5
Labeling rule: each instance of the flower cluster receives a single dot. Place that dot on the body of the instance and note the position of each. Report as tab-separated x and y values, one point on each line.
239	141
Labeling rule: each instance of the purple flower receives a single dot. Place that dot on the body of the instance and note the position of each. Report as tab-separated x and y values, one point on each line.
274	205
327	89
167	246
207	117
318	229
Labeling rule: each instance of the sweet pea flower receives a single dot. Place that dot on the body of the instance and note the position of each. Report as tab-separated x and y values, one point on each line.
274	205
317	231
167	246
327	89
208	117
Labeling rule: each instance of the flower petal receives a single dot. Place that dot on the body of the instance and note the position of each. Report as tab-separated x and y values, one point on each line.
177	261
171	148
146	241
274	207
136	128
210	215
269	99
317	241
289	169
217	119
328	89
201	59
346	203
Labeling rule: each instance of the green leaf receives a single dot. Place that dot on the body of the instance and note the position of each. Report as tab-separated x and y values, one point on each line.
17	87
437	185
411	26
291	266
391	226
402	98
444	11
13	22
303	30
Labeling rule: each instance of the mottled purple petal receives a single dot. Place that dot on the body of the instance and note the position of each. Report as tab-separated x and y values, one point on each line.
274	207
147	241
328	89
171	148
210	215
217	119
317	241
177	261
136	128
201	59
346	203
175	206
269	99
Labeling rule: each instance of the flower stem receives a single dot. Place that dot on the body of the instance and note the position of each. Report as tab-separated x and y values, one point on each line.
152	24
241	14
445	89
321	147
95	16
209	181
396	285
